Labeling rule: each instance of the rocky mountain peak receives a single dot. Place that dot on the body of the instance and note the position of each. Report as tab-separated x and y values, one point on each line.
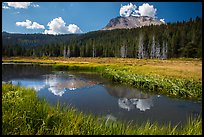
131	22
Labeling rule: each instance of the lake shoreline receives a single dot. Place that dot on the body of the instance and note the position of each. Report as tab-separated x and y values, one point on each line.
145	74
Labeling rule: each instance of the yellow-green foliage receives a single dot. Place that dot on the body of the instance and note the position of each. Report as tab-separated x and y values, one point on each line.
180	88
24	114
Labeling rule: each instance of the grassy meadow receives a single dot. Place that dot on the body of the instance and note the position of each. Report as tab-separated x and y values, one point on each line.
39	118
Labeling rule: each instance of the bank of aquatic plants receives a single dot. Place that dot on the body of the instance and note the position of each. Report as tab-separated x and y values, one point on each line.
180	88
23	113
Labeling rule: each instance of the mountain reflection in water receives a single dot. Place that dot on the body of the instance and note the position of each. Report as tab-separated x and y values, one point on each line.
130	98
58	86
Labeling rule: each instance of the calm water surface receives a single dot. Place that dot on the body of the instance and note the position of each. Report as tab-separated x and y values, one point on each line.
90	93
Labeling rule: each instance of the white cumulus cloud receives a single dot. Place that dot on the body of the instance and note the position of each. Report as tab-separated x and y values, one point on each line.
24	23
58	26
147	10
162	20
29	25
127	10
144	10
20	5
36	25
72	28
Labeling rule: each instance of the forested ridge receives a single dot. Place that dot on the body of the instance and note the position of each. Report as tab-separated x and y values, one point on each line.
172	40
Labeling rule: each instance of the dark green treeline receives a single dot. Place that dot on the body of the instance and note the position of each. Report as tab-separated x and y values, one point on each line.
180	39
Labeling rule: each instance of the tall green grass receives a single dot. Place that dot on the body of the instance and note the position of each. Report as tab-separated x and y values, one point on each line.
23	113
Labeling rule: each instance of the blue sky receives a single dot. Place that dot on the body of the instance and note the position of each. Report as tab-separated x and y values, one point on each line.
77	17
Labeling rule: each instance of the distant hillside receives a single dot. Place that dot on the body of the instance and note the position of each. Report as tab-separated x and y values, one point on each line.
173	40
34	39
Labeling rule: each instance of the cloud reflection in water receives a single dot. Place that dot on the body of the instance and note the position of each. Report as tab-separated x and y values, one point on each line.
131	98
141	104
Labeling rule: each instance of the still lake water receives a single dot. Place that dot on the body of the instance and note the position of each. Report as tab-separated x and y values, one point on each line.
90	93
